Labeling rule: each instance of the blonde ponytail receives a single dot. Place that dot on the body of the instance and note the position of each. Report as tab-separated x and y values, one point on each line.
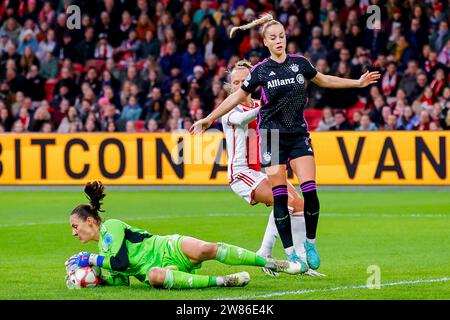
264	19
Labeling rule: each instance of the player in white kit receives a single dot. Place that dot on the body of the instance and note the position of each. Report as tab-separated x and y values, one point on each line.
244	169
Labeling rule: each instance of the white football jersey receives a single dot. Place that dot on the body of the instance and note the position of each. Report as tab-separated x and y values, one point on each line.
242	137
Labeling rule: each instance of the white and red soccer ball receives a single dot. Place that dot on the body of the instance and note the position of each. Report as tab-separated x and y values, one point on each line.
85	277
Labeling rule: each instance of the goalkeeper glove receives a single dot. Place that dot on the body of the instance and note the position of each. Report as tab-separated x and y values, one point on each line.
84	259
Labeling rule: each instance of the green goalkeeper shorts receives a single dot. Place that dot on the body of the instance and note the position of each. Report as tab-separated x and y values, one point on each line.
173	256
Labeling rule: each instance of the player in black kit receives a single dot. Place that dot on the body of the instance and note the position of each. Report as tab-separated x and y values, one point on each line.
283	130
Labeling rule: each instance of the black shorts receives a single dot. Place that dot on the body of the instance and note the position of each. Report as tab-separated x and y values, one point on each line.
280	148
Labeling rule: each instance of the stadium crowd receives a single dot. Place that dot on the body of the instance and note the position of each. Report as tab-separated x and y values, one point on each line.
158	66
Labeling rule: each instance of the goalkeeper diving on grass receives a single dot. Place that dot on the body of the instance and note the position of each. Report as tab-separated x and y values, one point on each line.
168	262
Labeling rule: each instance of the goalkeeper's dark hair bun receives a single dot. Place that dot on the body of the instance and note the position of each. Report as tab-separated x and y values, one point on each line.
95	194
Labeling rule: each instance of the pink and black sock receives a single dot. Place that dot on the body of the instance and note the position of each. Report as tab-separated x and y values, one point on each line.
281	214
312	207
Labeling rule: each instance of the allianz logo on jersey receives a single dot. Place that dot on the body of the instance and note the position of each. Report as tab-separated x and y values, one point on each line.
282	82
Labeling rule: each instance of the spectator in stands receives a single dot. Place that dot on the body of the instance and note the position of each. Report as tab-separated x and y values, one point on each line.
48	44
28	59
14	80
356	118
130	127
421	83
151	46
424	121
67	48
408	81
390	80
438	84
327	120
391	123
130	47
41	116
24	118
49	66
201	12
47	13
125	27
111	126
366	124
18	127
15	106
71	122
342	124
103	50
190	59
440	37
6	119
47	127
28	41
316	51
67	81
4	42
11	54
152	125
437	114
34	84
187	124
153	107
170	59
132	111
444	55
111	114
13	29
144	24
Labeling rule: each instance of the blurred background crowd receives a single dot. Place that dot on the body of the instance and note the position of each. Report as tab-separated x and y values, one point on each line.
158	66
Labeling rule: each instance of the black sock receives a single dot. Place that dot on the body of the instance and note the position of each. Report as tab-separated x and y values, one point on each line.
281	214
312	207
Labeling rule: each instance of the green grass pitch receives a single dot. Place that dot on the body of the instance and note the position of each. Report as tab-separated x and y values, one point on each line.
404	233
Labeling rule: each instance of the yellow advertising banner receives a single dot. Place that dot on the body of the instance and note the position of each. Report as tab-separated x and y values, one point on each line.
342	158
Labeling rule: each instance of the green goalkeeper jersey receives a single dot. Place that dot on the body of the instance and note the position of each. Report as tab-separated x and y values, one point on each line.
131	251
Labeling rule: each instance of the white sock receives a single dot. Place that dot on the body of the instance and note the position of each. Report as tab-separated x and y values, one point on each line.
311	240
298	233
289	250
270	237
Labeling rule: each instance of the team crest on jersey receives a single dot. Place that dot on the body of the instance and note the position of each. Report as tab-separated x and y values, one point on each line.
267	156
107	242
294	67
300	78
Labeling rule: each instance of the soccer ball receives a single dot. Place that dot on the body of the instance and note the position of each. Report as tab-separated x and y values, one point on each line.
85	277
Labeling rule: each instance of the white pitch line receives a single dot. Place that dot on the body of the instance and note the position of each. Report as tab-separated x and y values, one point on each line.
411	215
302	292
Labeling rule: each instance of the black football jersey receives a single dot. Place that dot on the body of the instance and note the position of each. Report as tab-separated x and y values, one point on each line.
283	92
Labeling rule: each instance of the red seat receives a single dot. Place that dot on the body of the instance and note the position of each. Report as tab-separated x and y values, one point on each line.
50	88
139	125
313	117
78	69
